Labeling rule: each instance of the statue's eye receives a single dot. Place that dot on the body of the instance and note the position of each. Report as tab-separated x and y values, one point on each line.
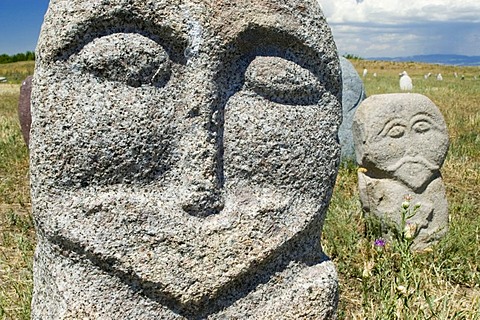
125	57
422	126
396	131
283	81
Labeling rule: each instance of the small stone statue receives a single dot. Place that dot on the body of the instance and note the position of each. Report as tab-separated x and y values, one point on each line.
353	94
24	113
183	155
401	141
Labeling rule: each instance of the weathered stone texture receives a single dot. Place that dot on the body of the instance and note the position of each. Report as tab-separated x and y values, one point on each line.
402	140
183	154
353	94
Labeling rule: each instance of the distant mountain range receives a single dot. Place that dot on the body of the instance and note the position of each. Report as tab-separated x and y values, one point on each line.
447	59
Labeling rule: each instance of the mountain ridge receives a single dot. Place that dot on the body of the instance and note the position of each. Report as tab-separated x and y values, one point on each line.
445	59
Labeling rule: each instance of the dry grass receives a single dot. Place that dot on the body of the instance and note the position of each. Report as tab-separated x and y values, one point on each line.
16	72
17	238
13	152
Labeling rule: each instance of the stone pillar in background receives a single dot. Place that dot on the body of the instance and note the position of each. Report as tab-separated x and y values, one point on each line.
353	94
401	141
24	114
183	155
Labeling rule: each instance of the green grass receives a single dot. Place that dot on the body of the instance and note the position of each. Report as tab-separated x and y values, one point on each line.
440	283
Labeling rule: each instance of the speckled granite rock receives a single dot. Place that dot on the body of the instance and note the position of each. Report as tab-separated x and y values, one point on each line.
183	154
24	114
353	94
402	140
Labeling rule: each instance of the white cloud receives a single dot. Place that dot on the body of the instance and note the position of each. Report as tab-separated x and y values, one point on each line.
395	11
373	28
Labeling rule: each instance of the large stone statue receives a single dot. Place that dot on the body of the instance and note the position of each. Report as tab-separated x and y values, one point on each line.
401	141
183	154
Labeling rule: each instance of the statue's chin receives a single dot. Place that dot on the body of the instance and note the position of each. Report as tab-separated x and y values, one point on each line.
415	175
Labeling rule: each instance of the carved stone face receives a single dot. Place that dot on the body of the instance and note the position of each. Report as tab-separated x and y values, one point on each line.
404	135
183	140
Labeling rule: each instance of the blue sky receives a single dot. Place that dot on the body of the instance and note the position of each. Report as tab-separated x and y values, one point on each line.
366	28
20	22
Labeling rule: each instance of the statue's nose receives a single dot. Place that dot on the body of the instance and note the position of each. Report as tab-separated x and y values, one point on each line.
202	176
202	154
413	149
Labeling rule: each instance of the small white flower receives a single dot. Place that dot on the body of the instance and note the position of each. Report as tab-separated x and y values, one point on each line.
410	230
402	289
367	269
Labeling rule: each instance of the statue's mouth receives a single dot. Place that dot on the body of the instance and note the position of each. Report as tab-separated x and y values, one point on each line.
413	160
415	172
188	259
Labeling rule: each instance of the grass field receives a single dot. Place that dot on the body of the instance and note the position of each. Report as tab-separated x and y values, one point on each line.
16	72
441	283
17	237
386	283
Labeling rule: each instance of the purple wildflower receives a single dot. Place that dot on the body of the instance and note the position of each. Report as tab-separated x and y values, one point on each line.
379	243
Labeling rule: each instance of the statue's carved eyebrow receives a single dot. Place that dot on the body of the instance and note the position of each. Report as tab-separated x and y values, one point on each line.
390	124
87	30
424	116
268	40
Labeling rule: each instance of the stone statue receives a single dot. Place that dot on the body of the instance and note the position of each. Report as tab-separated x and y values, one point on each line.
353	94
24	114
401	141
183	154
